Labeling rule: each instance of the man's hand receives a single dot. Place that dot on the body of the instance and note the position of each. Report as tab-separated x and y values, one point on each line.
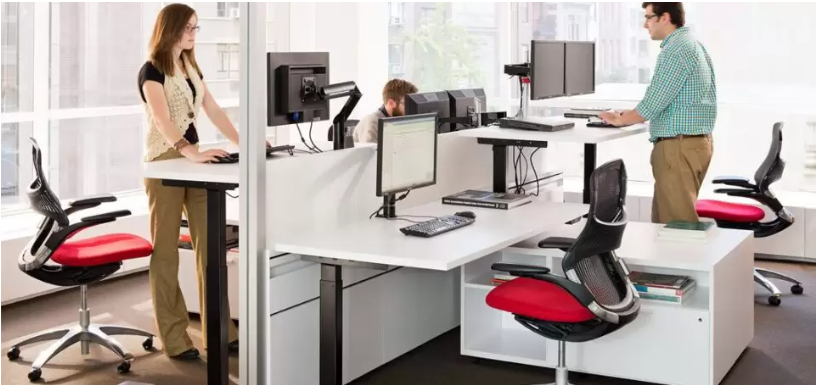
611	117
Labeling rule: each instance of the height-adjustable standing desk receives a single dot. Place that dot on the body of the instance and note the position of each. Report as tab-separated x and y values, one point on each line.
217	179
501	138
378	243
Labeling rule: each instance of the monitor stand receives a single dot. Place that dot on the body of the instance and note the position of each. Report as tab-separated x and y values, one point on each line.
389	203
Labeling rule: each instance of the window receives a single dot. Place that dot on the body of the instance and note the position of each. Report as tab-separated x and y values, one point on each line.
450	46
17	57
96	48
396	13
228	61
227	9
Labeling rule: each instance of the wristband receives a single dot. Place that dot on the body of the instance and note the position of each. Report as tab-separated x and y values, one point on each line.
182	143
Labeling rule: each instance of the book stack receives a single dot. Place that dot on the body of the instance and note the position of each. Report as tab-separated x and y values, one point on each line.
680	231
663	287
500	278
476	198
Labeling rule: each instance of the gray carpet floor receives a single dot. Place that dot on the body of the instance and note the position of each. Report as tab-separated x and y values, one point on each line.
782	352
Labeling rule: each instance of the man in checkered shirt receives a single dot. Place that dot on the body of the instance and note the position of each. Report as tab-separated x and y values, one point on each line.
681	106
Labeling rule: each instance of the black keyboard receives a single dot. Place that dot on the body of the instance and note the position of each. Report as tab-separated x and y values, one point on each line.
599	123
270	152
436	226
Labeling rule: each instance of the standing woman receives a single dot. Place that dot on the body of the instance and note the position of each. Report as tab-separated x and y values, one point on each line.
173	92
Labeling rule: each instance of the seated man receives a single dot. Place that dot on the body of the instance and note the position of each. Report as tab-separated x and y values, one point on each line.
394	96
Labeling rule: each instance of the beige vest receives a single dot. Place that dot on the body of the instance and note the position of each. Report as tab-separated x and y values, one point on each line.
183	109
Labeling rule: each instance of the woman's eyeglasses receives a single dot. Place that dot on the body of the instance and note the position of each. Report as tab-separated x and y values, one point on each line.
189	28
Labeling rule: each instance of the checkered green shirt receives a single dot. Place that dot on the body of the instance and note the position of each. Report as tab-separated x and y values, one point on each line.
681	98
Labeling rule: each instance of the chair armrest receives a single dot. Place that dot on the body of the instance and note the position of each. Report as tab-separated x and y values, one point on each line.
736	181
111	215
58	238
88	202
93	200
739	192
543	274
561	243
529	271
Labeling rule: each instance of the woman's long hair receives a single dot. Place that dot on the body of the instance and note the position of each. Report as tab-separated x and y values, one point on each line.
168	30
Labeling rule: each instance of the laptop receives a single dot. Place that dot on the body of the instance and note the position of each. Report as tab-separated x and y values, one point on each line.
535	123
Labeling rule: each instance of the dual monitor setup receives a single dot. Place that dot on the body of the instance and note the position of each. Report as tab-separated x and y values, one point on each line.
556	69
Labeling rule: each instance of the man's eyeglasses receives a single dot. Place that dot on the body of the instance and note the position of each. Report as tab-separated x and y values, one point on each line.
648	17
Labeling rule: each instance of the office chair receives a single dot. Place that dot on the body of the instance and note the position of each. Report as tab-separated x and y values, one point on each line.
595	297
749	217
75	263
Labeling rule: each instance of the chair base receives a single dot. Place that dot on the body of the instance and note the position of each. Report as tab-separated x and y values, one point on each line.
85	333
561	369
561	377
762	277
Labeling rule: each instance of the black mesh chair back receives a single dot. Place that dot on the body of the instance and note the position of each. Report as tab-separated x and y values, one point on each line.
771	170
591	260
42	199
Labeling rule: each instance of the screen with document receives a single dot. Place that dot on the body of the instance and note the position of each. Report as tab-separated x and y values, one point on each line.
407	153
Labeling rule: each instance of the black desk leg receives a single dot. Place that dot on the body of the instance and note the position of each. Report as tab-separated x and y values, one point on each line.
216	288
589	167
500	168
331	325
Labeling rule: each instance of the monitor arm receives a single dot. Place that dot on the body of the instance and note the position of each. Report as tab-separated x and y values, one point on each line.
339	90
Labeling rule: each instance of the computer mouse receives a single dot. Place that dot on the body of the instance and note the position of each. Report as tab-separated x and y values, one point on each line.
466	214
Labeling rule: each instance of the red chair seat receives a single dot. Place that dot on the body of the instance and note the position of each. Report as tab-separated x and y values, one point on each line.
539	300
101	250
726	211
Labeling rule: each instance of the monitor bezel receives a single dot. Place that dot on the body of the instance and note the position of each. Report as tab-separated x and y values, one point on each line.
380	125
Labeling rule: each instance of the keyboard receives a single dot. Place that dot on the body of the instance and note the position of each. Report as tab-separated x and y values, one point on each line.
599	123
270	152
437	226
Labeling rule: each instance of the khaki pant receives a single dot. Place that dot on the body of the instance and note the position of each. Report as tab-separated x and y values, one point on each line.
166	206
679	166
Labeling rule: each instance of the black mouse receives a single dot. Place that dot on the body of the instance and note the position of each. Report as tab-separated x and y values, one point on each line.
466	214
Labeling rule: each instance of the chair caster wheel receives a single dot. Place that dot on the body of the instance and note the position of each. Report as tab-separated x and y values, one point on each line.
13	353
774	301
148	344
34	374
124	367
797	289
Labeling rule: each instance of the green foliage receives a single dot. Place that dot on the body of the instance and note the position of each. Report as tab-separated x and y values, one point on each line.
444	53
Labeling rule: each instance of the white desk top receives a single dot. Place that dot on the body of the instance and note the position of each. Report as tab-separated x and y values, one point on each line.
184	169
378	240
578	134
641	247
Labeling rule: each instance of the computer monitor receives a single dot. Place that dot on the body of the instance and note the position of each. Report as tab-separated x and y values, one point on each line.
547	69
291	76
463	105
430	102
406	156
580	68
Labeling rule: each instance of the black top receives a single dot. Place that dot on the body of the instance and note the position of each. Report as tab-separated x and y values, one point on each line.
149	72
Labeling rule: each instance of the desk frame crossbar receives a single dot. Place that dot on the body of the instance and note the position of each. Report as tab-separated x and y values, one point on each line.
500	162
216	276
